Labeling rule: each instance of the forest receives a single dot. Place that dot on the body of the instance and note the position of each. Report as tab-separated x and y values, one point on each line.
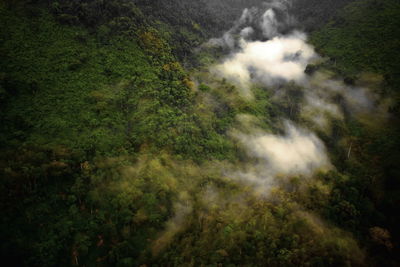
200	133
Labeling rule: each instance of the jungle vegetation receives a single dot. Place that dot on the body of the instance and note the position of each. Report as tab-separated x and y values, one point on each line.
112	143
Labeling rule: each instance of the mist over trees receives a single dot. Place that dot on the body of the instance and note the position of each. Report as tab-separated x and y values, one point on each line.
128	137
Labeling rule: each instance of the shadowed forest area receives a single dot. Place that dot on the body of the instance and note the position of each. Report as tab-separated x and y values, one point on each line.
199	132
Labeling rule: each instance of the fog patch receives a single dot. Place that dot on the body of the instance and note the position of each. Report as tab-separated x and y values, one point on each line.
247	32
269	24
253	22
353	100
229	39
175	225
258	52
298	151
295	152
357	98
261	55
281	59
320	111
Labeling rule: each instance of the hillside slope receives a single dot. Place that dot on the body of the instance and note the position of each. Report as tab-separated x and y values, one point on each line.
114	154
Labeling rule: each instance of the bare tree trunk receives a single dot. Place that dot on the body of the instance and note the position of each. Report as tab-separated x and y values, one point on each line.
348	153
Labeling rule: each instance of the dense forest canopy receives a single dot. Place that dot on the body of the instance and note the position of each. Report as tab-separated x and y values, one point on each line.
199	132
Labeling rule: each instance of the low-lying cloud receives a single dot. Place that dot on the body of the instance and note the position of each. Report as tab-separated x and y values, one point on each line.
273	59
269	24
298	151
275	156
283	58
261	55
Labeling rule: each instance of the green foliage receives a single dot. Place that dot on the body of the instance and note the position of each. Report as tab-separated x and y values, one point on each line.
204	88
112	156
364	36
69	100
314	14
249	231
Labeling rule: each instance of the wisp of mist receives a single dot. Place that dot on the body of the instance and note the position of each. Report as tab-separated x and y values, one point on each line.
261	55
